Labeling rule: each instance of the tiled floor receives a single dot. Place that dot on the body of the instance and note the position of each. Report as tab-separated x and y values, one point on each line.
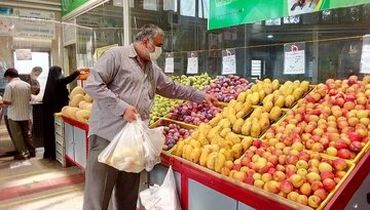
37	184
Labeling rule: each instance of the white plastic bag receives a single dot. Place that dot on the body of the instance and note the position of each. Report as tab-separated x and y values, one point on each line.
153	144
126	152
162	197
134	148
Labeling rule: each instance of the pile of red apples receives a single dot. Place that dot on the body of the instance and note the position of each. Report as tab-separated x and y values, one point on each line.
290	172
333	119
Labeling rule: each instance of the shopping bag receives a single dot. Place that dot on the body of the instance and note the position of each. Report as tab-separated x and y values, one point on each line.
162	197
126	151
153	143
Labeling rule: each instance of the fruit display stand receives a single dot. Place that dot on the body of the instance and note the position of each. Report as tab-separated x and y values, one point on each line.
236	195
76	142
324	180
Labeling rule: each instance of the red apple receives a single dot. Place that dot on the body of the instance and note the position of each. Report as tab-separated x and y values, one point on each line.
326	174
292	159
302	199
354	136
355	146
344	153
340	164
305	189
329	184
341	144
321	193
286	186
317	147
316	185
248	180
314	201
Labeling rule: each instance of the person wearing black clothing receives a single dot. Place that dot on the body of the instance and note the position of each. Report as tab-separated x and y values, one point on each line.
55	97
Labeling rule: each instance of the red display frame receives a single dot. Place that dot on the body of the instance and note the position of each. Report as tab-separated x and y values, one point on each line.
84	127
241	194
249	197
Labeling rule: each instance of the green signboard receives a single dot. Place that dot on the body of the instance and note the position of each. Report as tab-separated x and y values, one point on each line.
70	5
226	13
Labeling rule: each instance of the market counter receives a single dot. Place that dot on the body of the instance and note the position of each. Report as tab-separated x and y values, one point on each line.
200	188
76	142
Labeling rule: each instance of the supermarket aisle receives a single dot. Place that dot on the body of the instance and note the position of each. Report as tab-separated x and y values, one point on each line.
38	184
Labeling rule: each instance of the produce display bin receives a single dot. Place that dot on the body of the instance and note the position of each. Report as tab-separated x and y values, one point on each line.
257	198
76	141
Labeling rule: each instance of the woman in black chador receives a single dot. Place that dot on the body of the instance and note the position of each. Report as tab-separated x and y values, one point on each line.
55	97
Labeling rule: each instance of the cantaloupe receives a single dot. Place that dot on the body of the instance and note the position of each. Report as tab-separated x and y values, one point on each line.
88	98
75	91
83	115
75	100
82	104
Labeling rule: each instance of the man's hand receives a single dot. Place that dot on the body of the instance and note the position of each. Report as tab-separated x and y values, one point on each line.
130	114
211	100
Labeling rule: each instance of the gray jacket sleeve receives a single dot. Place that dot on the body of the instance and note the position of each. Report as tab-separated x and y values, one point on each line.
100	76
168	88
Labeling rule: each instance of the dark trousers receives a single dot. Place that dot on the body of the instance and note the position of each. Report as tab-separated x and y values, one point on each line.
49	135
21	135
6	121
101	180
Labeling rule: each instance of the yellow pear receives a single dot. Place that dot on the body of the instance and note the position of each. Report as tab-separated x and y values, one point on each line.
242	96
255	129
275	113
246	127
267	106
280	101
289	101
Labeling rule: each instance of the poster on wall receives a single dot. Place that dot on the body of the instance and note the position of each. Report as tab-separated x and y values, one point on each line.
192	67
169	66
34	29
226	13
228	62
297	7
365	55
23	54
37	14
294	58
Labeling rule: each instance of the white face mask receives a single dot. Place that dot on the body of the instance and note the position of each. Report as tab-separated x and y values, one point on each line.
155	55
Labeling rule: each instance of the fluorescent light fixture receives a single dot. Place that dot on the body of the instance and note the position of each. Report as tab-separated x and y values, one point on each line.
270	36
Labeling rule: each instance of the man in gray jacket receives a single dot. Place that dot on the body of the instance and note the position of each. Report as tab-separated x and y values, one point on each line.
123	83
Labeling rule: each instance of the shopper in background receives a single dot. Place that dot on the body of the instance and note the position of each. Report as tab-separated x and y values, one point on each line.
17	98
35	85
123	84
55	97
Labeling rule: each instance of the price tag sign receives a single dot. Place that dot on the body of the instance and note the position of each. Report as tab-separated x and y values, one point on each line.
294	58
365	55
192	63
169	63
228	62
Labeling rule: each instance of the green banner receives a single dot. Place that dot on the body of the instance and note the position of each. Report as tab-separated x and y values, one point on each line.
70	5
226	13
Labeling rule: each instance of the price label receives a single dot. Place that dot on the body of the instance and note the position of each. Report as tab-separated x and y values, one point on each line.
294	58
169	65
365	55
192	67
228	62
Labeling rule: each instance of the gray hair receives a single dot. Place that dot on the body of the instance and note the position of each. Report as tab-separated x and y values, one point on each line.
36	69
148	31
